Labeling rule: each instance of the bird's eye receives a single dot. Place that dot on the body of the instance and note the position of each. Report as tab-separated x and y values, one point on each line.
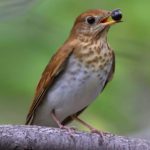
90	20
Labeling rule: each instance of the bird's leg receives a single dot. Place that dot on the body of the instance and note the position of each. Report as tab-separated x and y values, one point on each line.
56	119
83	123
59	123
92	129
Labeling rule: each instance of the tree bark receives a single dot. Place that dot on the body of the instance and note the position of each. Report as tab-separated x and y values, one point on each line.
21	137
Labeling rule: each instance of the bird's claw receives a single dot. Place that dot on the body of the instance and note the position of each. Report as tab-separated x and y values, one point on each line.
98	132
69	129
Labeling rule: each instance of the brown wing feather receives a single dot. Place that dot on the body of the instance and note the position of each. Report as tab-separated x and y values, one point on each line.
55	66
110	76
112	70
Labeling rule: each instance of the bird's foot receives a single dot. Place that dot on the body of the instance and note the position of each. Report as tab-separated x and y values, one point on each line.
69	129
93	130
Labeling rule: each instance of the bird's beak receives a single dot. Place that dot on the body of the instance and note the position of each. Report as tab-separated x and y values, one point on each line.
108	21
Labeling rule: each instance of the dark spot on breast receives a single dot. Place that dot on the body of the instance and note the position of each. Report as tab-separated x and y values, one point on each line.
87	54
86	65
96	60
98	50
110	54
107	61
90	48
100	66
79	65
99	75
63	87
83	80
73	78
102	46
91	52
92	65
95	47
100	57
85	47
72	72
85	71
101	78
105	54
103	60
92	42
106	72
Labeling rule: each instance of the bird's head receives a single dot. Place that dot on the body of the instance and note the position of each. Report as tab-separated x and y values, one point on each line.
95	23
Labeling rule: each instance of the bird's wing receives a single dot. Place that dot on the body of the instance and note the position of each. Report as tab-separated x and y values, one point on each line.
112	70
52	70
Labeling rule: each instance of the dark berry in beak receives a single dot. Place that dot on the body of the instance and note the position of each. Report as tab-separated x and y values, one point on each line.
116	15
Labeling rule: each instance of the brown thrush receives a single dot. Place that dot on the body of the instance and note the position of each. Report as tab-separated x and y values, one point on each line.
77	73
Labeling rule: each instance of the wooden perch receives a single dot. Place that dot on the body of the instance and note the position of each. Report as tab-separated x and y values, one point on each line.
21	137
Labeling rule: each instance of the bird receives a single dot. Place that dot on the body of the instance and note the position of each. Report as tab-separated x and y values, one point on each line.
77	73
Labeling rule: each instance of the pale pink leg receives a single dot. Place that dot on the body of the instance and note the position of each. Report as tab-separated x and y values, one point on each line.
56	120
83	123
93	130
59	123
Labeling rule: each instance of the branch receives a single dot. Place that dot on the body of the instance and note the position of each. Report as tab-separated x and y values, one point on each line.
21	137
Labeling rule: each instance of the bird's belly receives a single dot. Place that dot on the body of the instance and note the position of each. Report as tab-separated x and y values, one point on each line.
75	89
73	95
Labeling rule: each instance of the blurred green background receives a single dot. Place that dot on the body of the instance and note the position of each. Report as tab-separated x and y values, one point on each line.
32	30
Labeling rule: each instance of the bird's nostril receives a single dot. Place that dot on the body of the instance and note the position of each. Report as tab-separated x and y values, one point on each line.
116	15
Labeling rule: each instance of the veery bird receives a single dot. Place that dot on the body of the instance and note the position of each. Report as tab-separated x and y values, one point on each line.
77	73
